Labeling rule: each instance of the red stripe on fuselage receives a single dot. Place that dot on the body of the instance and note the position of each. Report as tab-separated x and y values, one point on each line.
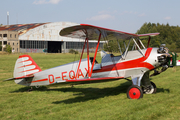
129	64
40	80
58	77
94	79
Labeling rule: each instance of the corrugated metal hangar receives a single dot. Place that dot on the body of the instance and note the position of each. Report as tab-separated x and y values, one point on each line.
41	37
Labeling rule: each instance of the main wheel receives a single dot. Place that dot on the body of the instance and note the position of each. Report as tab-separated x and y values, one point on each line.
150	90
134	92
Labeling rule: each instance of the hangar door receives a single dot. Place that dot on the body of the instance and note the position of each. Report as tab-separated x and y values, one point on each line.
54	47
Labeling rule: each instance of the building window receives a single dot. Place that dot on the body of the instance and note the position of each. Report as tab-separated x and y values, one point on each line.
15	35
22	44
5	42
4	35
33	44
13	43
10	35
79	45
0	35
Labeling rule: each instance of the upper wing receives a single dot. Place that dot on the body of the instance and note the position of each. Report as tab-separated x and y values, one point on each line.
148	34
92	32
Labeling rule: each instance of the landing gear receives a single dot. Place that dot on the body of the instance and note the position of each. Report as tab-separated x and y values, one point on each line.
150	89
134	92
30	89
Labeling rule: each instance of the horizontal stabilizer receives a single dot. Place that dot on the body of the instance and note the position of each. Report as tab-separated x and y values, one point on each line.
10	79
30	76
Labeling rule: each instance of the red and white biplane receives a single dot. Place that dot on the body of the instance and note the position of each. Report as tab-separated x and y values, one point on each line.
135	63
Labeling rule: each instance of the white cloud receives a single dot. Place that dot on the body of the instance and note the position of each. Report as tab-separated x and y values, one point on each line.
39	2
167	18
142	15
133	13
128	12
55	1
101	17
46	2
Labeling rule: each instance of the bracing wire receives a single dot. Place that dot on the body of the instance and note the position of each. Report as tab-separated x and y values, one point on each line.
105	37
85	32
74	60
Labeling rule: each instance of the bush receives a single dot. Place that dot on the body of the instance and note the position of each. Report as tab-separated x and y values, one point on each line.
73	51
8	49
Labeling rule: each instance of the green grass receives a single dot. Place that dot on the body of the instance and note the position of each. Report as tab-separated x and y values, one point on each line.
103	101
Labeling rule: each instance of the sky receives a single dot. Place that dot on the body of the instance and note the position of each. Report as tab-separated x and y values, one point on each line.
122	15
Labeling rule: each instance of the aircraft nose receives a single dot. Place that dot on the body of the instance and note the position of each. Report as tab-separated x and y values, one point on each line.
165	56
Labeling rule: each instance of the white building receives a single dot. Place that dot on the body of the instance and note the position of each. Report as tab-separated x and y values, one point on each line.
44	37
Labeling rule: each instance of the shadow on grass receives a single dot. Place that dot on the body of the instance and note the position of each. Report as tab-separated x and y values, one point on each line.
162	90
83	94
86	94
24	89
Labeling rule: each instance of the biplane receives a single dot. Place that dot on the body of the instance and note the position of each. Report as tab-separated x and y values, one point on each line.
132	64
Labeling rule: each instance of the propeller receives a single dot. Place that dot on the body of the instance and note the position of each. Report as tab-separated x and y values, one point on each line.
165	55
164	59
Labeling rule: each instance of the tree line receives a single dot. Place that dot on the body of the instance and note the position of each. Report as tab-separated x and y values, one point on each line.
169	35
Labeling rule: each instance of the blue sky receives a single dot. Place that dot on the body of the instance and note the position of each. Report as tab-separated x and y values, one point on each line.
123	15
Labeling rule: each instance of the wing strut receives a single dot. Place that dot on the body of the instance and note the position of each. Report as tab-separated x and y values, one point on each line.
81	58
138	47
141	43
88	55
125	53
95	55
149	41
120	49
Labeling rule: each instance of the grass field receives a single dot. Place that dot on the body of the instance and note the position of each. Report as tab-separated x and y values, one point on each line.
104	101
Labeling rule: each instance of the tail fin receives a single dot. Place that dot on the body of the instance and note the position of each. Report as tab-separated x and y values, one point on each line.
25	66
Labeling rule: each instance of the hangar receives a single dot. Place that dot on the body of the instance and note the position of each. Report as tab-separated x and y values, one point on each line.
41	37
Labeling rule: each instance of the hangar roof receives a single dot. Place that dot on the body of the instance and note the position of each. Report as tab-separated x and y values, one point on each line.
42	31
21	28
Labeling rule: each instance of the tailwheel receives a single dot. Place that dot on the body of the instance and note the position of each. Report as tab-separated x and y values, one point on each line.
150	89
134	92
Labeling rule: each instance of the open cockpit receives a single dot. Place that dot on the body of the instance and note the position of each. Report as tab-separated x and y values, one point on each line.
132	49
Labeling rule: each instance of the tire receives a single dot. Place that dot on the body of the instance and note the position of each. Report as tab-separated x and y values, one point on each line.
134	92
150	90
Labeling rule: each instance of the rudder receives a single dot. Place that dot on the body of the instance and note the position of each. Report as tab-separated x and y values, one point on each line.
25	66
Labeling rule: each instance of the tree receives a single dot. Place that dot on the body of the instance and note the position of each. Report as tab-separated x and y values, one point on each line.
169	35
